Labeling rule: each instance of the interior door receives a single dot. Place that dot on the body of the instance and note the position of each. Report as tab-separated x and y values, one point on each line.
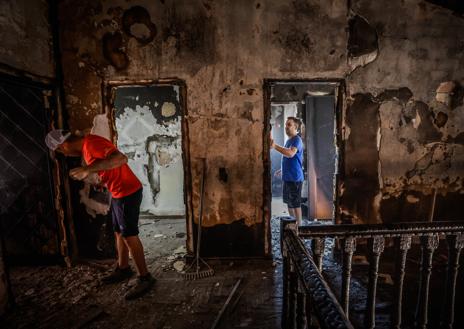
321	155
28	220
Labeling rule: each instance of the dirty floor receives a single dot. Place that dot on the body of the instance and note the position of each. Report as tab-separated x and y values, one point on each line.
57	297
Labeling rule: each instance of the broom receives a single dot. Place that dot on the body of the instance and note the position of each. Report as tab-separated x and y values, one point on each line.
195	270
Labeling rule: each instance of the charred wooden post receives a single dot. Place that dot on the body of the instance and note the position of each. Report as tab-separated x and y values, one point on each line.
455	245
308	312
349	246
429	243
300	307
376	246
318	246
403	244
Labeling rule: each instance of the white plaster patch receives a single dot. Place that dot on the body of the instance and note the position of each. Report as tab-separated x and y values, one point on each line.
168	109
416	121
140	31
376	206
155	156
346	132
71	99
363	60
92	206
101	126
412	199
445	91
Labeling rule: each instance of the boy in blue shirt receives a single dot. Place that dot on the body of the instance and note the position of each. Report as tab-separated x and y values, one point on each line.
292	167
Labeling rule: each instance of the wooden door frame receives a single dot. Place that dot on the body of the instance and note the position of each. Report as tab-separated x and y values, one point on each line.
339	115
108	88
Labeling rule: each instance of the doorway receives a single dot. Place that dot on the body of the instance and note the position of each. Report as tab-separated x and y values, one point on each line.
28	218
315	104
148	129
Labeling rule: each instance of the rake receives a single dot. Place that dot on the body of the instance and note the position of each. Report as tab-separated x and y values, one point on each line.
199	269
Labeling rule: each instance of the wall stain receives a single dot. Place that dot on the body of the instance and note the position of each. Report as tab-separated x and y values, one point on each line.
112	45
139	15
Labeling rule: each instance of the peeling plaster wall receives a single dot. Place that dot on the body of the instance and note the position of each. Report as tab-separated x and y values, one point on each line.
26	36
393	55
413	95
149	133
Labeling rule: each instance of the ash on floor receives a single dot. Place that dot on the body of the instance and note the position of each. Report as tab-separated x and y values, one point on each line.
58	297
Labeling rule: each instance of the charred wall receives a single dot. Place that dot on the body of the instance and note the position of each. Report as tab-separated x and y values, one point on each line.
403	140
26	36
414	83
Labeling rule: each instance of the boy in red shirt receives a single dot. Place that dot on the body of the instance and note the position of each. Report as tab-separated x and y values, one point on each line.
102	157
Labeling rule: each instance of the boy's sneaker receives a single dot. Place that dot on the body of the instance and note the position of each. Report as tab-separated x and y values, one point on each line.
118	275
142	286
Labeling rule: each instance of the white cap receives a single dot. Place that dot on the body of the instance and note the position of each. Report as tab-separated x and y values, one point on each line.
55	138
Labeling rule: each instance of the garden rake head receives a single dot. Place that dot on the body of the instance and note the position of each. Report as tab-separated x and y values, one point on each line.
195	271
198	271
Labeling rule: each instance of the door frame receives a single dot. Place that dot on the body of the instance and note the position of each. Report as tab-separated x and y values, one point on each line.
339	119
108	88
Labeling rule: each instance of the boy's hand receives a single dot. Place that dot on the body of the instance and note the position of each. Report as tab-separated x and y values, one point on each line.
79	173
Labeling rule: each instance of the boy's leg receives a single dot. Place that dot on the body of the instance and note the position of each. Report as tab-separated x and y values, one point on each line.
123	251
135	247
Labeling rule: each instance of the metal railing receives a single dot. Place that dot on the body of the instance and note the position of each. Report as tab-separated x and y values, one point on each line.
305	290
305	285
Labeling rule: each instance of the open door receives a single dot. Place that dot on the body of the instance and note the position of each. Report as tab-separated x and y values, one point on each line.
321	156
28	218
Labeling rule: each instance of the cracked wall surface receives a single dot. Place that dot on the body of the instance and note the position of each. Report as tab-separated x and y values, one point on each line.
148	124
26	21
415	82
400	142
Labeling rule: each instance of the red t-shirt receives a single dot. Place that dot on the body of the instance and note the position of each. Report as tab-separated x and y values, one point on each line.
120	181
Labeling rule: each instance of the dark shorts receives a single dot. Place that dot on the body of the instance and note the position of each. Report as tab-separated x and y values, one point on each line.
292	194
125	214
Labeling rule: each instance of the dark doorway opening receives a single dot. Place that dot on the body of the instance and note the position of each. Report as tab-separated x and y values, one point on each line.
316	104
148	123
28	221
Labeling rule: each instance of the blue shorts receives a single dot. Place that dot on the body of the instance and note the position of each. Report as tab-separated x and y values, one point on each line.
125	214
292	194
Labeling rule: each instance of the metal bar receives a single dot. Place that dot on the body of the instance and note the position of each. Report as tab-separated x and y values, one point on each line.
377	245
308	311
403	244
229	298
349	246
318	246
326	308
455	245
429	245
300	307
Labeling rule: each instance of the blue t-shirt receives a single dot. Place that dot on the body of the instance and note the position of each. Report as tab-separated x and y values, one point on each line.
292	168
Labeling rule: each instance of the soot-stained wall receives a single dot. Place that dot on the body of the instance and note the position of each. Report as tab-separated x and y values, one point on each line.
399	142
26	36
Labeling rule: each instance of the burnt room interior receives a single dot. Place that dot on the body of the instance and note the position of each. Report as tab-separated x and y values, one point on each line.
195	95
